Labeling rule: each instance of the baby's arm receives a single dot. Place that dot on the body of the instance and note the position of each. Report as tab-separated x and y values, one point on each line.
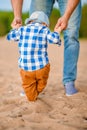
14	35
53	38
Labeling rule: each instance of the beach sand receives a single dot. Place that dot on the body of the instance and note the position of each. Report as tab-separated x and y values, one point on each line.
53	110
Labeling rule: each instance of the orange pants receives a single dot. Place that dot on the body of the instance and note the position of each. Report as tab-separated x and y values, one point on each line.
34	82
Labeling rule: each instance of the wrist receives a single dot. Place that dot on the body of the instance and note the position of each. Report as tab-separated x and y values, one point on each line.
17	17
66	16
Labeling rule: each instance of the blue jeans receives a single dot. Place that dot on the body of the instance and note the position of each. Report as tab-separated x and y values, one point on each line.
71	35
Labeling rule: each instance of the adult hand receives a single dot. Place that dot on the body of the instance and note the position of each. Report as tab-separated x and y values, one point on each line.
62	23
16	23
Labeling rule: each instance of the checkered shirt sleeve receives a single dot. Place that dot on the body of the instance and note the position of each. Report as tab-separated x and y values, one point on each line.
14	35
53	38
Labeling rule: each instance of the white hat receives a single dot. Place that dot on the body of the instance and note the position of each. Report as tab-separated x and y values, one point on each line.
38	16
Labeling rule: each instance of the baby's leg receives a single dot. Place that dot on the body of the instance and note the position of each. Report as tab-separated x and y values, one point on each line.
29	84
42	77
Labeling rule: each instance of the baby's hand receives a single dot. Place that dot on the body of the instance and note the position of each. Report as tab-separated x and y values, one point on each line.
58	29
16	23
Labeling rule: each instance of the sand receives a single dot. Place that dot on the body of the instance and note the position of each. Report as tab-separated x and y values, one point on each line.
53	110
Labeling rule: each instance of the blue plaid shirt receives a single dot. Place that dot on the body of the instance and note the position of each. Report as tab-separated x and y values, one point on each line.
32	42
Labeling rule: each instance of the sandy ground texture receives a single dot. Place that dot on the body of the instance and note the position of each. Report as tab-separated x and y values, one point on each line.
53	110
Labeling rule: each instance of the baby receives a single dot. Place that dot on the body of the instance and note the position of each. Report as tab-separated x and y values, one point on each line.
33	39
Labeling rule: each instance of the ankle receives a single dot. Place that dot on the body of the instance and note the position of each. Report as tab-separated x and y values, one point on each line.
70	88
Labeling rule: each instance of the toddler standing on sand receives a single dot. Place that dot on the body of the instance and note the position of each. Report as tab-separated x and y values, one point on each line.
33	39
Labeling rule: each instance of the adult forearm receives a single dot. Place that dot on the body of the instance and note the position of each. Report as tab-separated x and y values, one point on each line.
71	5
63	21
17	7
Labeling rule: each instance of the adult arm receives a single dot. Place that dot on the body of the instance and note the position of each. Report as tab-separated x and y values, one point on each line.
17	9
63	21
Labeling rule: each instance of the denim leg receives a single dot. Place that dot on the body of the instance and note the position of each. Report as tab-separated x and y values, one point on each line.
71	43
41	5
